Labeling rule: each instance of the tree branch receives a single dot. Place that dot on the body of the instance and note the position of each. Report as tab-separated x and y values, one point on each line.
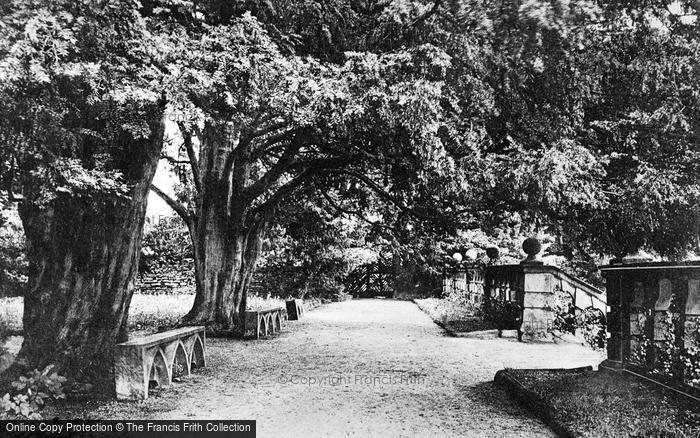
268	130
356	213
273	141
381	192
273	175
428	14
194	164
282	192
176	206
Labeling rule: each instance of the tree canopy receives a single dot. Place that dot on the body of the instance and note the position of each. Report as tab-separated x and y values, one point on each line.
419	118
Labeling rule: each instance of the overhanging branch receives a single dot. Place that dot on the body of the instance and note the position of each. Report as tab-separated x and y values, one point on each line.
272	176
347	211
194	163
393	199
176	206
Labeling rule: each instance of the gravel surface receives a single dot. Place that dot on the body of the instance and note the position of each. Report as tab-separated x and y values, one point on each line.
361	368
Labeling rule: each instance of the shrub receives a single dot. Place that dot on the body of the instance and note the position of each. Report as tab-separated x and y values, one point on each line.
166	243
503	314
667	357
592	325
461	299
31	393
690	357
589	323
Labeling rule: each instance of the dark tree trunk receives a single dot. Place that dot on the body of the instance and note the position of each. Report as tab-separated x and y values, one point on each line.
83	256
225	238
226	264
229	217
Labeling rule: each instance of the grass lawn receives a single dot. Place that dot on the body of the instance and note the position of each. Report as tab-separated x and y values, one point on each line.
611	405
146	314
453	315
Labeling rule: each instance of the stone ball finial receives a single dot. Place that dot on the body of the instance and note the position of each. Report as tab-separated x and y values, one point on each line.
493	252
532	247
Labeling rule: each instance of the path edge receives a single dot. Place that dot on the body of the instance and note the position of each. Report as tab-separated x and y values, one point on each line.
440	324
534	403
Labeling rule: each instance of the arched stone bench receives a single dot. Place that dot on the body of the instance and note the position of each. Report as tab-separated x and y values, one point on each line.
262	323
156	358
295	309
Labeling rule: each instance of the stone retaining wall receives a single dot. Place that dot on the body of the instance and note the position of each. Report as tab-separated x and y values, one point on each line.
167	279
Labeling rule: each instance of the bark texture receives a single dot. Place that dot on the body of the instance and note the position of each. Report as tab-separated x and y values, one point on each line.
226	233
83	256
232	209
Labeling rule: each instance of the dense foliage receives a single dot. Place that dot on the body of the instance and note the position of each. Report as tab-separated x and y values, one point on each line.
309	254
423	120
657	348
165	243
31	392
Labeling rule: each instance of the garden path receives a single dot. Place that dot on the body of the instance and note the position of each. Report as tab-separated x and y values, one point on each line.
360	368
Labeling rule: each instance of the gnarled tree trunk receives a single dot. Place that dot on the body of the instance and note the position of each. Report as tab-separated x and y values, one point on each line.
83	256
231	213
225	238
226	263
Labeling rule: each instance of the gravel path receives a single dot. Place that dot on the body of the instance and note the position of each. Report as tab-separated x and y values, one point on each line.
361	368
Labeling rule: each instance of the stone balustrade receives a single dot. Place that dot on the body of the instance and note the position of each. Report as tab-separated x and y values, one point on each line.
295	309
465	281
533	286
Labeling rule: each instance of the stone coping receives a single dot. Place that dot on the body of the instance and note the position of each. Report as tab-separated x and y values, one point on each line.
535	268
695	264
272	309
158	338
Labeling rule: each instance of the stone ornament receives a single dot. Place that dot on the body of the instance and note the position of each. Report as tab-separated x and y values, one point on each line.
638	295
692	305
532	247
663	303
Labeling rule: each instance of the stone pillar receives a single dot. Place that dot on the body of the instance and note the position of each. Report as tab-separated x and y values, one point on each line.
538	289
614	322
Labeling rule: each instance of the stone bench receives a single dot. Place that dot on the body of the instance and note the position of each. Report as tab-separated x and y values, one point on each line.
157	358
295	309
262	323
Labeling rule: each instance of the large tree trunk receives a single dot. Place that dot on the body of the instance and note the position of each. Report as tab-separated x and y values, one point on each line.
226	239
226	264
83	256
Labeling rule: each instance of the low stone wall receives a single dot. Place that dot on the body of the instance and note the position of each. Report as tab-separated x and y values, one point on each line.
541	283
166	279
654	319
